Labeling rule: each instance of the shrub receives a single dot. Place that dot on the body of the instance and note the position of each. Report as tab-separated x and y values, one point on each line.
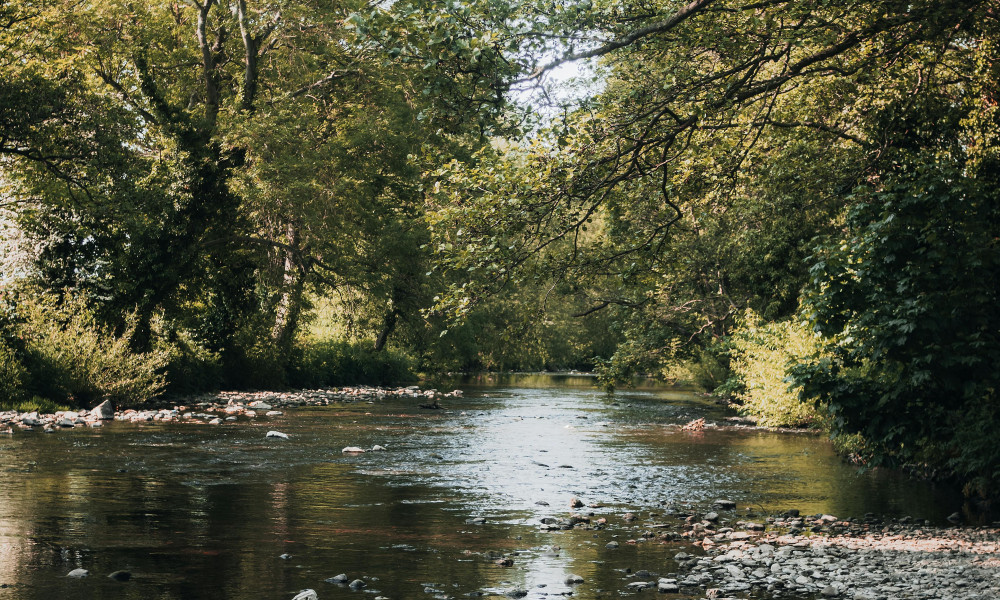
760	356
323	363
72	358
12	375
190	367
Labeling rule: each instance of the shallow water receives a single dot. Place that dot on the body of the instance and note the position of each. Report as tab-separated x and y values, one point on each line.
200	511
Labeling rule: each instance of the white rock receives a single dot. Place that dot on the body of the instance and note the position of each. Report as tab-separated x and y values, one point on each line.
306	595
279	435
352	450
104	410
377	448
78	573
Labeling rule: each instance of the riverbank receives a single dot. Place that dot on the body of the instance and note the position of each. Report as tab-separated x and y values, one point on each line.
860	559
218	408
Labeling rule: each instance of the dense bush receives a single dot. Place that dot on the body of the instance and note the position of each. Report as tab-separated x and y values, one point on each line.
190	367
907	304
71	358
761	354
12	375
324	363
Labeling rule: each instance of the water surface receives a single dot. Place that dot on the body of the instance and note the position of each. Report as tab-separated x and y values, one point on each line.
202	511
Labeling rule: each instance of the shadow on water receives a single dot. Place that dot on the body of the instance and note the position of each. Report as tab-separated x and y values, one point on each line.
199	511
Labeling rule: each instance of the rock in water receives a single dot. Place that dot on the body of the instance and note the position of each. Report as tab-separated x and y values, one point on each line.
357	584
377	448
279	435
120	576
574	579
306	595
342	578
353	450
78	573
103	411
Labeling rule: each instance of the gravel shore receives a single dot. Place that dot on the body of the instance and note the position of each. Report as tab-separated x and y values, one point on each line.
862	559
217	408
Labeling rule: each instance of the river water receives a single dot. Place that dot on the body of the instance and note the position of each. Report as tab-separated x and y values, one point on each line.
201	511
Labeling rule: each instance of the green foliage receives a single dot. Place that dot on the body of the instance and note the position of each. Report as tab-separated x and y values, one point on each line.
12	376
761	354
329	363
190	367
907	303
73	359
34	404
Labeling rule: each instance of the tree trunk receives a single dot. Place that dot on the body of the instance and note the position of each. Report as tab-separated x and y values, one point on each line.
293	279
388	325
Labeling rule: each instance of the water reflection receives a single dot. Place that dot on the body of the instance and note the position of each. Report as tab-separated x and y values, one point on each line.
196	511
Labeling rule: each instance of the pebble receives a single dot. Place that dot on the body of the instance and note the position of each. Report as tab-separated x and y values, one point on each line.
78	573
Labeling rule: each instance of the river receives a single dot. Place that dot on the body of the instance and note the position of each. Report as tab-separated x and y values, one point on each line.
201	511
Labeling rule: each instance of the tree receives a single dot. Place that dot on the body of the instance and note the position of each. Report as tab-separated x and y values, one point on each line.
905	299
242	154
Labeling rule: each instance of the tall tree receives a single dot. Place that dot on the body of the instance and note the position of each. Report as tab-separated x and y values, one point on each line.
240	153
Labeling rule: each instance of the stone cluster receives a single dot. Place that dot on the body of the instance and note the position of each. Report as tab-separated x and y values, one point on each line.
216	409
821	556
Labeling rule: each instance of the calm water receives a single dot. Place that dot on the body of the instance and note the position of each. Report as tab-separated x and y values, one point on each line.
199	511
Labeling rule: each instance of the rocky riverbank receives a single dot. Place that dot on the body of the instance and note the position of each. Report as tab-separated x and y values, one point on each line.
819	556
215	409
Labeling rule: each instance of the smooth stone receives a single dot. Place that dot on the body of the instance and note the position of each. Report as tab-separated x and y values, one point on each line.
104	411
309	594
712	516
357	584
260	405
78	573
830	591
574	579
668	588
612	545
517	593
377	448
641	585
120	576
725	504
353	450
342	578
276	434
215	421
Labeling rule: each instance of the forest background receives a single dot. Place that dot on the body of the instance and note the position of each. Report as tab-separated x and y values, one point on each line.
792	203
